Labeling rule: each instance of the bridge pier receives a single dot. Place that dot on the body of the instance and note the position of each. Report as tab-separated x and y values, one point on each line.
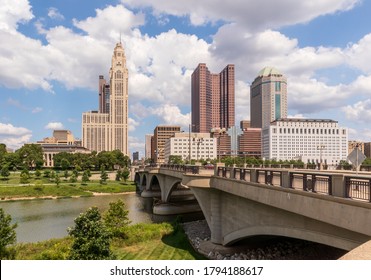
216	219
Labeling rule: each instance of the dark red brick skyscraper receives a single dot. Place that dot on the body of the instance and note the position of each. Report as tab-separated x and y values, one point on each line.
212	98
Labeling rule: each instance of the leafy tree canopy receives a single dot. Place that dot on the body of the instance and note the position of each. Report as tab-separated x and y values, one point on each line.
91	237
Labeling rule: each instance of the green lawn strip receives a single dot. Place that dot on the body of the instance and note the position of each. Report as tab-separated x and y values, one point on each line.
65	189
110	187
40	191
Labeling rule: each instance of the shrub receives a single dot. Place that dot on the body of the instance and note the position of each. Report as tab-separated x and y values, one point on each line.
91	239
7	234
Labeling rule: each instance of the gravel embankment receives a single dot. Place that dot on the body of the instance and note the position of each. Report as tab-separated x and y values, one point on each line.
199	234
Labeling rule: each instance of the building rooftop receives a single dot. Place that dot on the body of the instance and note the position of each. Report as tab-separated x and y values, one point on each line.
269	71
302	120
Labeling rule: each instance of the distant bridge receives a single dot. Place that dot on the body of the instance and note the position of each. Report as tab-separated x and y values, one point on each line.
331	208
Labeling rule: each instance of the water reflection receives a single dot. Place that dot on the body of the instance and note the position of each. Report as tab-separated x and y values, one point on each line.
44	219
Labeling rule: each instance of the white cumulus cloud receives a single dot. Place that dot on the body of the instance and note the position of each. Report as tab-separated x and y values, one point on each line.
53	13
54	125
14	137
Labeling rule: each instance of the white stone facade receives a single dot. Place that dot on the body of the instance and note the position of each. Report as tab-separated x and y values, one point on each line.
203	146
310	140
108	131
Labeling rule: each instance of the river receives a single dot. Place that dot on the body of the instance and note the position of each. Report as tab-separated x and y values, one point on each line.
40	220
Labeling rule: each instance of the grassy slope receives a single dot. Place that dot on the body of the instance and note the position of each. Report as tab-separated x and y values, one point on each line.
144	242
40	188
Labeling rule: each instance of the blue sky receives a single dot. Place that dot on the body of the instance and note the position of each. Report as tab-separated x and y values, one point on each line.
51	54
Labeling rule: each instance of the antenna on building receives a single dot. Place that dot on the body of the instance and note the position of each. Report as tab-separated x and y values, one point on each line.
120	37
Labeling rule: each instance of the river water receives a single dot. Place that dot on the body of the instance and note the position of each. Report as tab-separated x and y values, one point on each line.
40	220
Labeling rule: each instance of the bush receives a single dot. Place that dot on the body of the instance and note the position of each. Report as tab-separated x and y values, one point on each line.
116	219
91	237
7	234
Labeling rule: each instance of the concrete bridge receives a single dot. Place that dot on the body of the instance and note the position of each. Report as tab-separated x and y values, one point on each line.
328	208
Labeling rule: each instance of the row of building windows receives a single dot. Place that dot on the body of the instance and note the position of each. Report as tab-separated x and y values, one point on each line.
309	131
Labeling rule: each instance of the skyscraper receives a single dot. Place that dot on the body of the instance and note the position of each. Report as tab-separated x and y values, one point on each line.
212	98
268	97
107	129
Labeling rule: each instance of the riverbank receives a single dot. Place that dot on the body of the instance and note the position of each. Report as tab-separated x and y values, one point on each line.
61	197
199	234
64	190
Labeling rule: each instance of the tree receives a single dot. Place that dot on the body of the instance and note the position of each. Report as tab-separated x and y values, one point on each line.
91	239
73	178
175	159
125	174
7	233
120	159
116	218
3	152
24	177
118	175
65	164
13	160
85	177
76	173
57	180
46	173
52	176
31	156
5	172
37	173
66	175
103	176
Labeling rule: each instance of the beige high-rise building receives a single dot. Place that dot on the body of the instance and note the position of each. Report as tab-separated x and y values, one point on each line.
107	129
268	97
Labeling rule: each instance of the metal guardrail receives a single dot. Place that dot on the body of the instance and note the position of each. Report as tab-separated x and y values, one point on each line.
269	177
358	188
317	183
193	169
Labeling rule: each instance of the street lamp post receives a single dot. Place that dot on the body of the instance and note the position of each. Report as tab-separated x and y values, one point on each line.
198	142
189	141
320	148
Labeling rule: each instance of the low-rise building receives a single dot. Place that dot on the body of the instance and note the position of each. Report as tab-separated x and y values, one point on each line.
62	141
352	144
309	140
160	135
195	145
250	143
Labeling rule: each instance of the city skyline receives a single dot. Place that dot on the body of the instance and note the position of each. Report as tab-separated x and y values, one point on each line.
53	53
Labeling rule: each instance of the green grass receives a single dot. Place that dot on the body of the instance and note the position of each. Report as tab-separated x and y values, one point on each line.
144	242
110	187
43	187
41	191
171	246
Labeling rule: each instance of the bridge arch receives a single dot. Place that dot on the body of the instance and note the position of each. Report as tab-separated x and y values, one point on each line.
143	183
291	232
137	179
154	184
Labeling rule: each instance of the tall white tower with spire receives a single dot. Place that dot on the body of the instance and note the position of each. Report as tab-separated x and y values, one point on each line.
107	129
119	101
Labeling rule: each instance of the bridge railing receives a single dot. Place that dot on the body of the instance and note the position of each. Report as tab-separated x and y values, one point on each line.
269	177
225	172
192	169
358	188
318	183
